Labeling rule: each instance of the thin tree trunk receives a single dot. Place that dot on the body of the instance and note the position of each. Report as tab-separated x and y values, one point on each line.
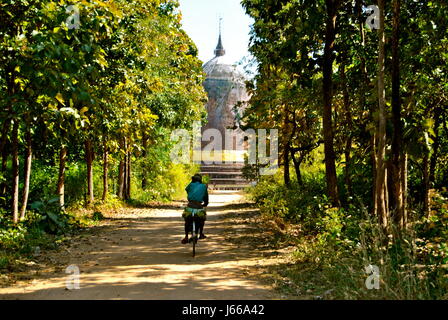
386	195
348	160
122	172
15	171
391	183
330	156
397	139
105	170
297	164
364	88
286	175
128	177
145	146
3	186
27	171
4	153
426	191
126	172
380	208
61	176
89	163
348	120
404	179
435	146
121	179
125	191
4	137
374	159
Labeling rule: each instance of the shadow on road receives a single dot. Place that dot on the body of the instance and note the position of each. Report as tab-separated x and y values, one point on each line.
142	258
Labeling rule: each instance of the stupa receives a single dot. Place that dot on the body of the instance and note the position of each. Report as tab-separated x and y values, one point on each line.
227	99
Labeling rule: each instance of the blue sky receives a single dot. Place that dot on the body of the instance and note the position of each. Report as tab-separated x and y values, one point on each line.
200	19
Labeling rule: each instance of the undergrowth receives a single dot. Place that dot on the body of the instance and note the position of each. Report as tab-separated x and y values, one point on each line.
338	248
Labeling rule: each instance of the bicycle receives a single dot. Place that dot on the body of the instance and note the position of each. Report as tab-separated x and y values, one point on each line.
196	215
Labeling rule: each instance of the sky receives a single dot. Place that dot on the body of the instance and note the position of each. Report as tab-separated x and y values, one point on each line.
200	19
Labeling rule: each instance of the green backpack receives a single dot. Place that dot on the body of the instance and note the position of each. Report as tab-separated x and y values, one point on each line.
197	212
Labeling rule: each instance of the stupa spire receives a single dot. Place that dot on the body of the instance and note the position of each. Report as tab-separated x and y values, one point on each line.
219	51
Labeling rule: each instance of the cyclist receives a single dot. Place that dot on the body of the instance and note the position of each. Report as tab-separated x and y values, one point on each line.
197	199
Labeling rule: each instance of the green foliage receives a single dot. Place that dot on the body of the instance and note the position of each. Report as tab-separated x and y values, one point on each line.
122	81
206	179
97	216
44	221
50	218
4	262
338	243
289	40
300	203
165	183
12	238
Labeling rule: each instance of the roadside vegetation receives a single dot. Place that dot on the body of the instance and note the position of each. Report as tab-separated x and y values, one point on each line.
334	246
360	102
89	95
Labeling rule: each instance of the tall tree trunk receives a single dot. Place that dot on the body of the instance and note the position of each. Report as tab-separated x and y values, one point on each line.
89	163
15	171
4	138
426	188
121	179
404	179
27	171
122	171
10	84
3	185
145	146
348	120
396	205
4	153
374	160
5	130
105	169
380	208
348	160
364	88
128	176
60	190
125	190
330	156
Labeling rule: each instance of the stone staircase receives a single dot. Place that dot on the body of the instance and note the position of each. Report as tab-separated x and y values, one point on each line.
225	176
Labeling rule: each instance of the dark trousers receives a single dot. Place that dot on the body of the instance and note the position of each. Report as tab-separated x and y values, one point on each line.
189	225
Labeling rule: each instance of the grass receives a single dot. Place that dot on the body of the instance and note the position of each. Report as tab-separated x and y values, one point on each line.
326	271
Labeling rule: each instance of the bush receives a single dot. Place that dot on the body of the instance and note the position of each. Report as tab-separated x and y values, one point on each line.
50	218
97	216
45	226
301	203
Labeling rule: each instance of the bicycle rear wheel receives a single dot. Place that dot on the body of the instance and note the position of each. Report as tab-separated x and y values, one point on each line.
194	236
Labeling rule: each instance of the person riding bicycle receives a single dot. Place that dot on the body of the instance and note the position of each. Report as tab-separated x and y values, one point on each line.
197	199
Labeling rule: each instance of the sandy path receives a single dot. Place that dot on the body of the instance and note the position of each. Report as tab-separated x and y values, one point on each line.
138	255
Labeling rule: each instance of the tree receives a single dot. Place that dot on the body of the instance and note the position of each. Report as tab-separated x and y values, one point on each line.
381	208
330	157
398	160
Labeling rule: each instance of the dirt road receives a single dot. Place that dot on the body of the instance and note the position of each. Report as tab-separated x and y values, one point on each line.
138	255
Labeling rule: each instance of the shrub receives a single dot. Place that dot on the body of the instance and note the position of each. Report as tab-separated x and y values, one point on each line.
50	218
